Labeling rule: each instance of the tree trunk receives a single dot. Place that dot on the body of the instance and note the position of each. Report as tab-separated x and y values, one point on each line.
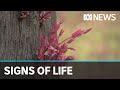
19	39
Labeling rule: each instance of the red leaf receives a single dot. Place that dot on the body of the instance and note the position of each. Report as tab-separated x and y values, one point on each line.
56	26
61	32
87	31
72	49
77	33
71	40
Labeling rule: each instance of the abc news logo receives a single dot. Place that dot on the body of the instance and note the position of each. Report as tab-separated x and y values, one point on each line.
99	17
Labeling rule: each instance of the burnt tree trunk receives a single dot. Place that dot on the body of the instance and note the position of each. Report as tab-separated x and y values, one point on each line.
19	39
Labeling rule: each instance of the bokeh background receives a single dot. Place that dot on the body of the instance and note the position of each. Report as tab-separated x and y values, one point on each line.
102	43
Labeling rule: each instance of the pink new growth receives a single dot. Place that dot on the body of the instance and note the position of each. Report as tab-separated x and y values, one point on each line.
56	26
77	33
61	32
44	15
51	48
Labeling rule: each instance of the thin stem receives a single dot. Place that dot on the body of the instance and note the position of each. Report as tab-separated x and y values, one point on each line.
65	40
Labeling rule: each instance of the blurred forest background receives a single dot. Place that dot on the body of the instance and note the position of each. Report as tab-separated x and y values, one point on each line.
102	43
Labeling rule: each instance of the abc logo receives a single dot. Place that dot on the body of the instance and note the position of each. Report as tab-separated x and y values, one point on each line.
99	17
